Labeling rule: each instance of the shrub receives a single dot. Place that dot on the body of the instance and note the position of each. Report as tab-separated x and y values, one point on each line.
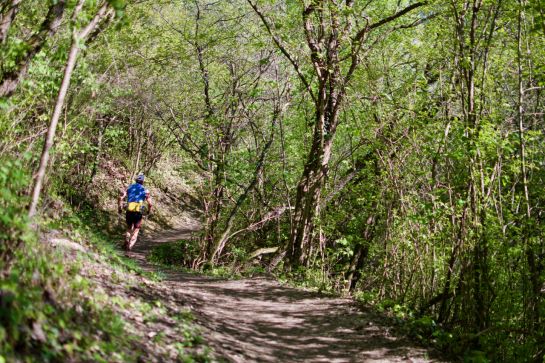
181	253
14	229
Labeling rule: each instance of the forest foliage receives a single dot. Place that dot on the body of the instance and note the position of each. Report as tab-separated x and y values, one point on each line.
392	149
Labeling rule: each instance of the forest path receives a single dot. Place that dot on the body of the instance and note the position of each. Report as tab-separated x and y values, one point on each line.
259	320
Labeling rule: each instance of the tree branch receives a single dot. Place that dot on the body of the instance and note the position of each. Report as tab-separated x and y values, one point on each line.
397	15
283	49
10	80
314	46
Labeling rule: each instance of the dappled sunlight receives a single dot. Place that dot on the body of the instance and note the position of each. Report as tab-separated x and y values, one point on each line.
260	320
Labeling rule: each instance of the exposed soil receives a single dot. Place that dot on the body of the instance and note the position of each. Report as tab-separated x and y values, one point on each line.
259	320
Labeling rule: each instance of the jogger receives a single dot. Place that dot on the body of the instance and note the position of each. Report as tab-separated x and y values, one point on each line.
136	195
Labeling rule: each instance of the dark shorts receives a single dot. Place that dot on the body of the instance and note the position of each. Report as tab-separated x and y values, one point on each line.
133	219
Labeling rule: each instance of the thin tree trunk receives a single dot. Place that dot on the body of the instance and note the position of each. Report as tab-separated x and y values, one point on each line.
96	161
535	267
138	152
520	113
7	19
353	274
70	64
259	168
69	68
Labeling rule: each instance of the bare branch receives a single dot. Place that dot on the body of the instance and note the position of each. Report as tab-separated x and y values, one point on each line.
397	15
314	46
283	49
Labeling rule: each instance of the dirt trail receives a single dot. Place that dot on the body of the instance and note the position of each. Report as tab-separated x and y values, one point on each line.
259	320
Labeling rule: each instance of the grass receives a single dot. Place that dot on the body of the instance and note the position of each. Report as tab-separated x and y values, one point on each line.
49	312
93	230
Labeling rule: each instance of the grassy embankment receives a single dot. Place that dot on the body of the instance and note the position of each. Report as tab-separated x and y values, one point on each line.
81	300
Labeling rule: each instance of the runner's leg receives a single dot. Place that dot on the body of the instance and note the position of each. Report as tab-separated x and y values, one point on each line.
134	237
130	229
137	224
128	238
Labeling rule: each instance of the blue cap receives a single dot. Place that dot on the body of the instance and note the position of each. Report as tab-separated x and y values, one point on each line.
140	177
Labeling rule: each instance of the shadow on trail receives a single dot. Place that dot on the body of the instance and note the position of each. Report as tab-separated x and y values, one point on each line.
259	320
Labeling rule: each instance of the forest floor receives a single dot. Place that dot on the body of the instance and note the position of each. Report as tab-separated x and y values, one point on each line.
260	320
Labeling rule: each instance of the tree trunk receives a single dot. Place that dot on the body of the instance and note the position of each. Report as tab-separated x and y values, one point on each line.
353	274
48	28
212	212
77	38
308	196
98	154
220	245
9	13
534	261
70	64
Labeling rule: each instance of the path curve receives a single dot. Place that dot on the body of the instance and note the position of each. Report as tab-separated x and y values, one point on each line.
259	320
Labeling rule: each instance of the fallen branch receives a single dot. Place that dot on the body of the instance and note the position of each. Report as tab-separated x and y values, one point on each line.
262	251
275	214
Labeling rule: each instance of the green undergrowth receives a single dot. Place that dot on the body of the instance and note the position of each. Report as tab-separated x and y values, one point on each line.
425	330
92	229
174	254
83	224
179	255
313	279
50	312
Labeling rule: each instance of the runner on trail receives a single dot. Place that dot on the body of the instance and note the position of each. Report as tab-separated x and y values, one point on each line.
136	195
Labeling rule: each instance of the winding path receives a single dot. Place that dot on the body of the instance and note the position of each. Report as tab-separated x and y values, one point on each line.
259	320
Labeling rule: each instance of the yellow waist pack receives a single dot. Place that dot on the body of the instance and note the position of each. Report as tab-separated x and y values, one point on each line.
134	206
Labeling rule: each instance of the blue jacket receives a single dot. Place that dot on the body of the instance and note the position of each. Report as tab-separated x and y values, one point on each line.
136	193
